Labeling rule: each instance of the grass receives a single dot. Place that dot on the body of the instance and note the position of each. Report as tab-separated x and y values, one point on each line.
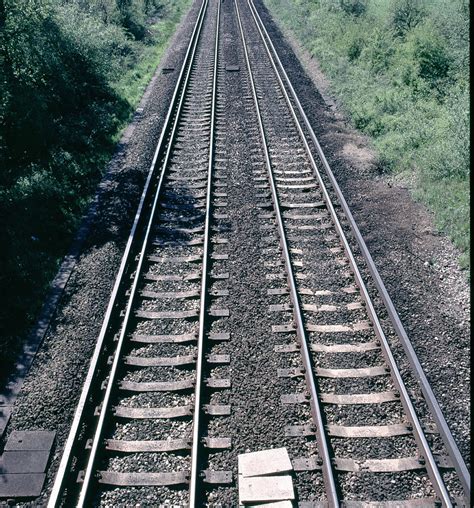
445	196
133	83
400	69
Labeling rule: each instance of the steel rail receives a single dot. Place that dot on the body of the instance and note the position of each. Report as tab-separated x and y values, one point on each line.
432	402
297	312
196	444
418	433
66	458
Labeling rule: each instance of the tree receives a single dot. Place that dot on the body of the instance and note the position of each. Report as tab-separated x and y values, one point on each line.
353	7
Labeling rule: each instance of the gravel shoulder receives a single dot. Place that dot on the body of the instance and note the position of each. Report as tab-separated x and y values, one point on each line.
418	265
52	387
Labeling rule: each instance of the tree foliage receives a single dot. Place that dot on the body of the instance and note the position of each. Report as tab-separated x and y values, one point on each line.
353	7
406	15
60	111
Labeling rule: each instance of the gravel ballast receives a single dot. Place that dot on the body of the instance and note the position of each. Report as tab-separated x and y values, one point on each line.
426	285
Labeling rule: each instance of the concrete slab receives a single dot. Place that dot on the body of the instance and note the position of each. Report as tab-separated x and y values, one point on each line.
276	504
21	485
265	489
24	461
264	462
30	440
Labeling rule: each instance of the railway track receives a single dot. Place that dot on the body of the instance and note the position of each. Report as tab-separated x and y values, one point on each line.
156	332
156	417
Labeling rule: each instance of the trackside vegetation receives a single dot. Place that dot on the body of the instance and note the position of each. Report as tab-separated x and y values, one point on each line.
71	74
400	69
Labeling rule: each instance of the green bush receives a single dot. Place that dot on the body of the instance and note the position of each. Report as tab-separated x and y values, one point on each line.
353	7
71	74
427	50
378	51
132	17
400	68
405	15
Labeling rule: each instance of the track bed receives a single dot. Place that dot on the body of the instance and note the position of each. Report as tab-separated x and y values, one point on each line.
245	315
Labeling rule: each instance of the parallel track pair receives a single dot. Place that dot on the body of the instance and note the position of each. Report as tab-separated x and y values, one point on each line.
173	225
173	217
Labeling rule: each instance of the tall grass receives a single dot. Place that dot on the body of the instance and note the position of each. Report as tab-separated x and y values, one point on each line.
400	68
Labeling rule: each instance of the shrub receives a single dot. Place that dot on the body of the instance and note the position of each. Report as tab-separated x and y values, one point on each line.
61	109
378	51
132	17
406	15
353	7
429	53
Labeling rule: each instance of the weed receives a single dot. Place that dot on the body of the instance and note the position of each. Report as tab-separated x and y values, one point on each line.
401	71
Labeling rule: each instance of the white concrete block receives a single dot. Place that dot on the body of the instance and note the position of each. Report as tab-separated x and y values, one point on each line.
265	489
265	462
